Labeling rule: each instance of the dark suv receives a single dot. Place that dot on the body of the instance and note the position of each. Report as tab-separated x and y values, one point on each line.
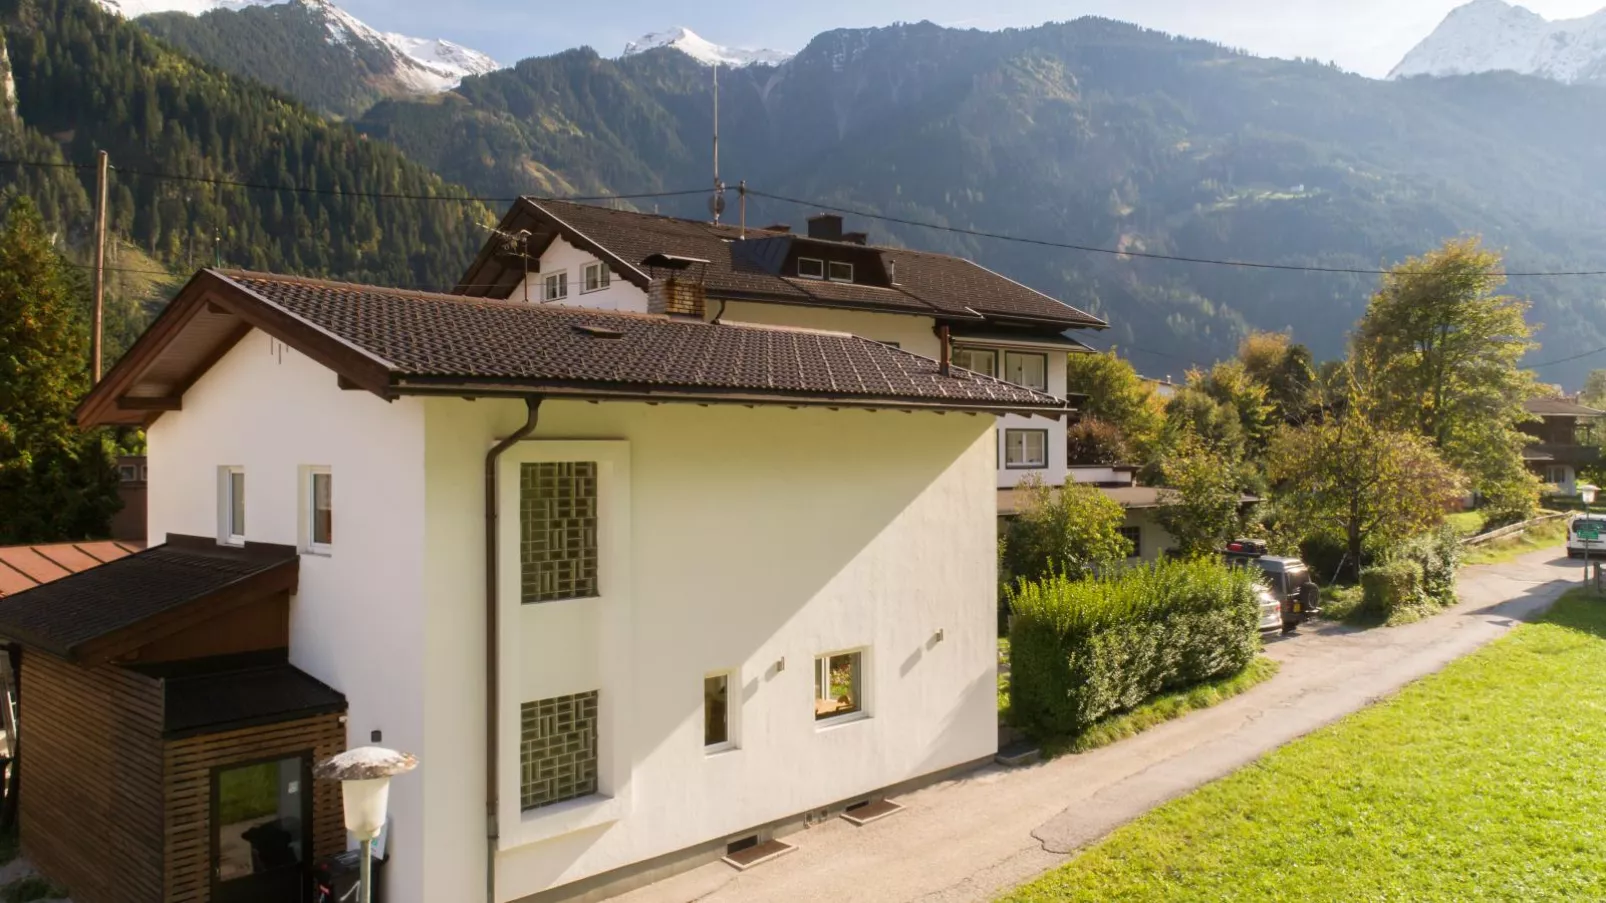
1287	583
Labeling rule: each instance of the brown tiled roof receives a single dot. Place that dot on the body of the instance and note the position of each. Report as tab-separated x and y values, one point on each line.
937	285
63	615
1561	407
25	567
420	337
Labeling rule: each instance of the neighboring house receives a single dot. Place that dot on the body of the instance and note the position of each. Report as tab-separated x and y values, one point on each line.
644	588
25	567
1118	482
1557	452
935	305
128	524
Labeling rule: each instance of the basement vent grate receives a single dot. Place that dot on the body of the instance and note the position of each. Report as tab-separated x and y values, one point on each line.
862	814
751	853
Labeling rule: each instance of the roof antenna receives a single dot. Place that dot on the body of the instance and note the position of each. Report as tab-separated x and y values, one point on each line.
716	203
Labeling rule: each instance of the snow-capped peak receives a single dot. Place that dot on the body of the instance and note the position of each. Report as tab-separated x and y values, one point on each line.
1493	35
704	51
424	65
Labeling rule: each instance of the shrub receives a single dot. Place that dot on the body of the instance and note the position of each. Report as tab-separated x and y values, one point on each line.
1439	554
1067	530
1082	649
1387	589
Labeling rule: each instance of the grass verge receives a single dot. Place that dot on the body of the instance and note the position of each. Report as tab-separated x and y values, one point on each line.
1549	534
1466	523
1481	782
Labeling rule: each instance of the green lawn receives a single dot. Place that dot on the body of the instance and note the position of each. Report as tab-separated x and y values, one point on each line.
1549	534
1466	523
1483	782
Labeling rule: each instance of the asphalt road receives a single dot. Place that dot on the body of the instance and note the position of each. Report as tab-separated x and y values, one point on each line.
974	837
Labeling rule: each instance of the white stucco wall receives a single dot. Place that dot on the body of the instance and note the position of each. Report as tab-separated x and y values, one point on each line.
754	536
355	623
1154	540
562	257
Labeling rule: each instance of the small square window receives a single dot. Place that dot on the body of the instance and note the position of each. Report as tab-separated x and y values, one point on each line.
976	360
717	733
127	473
841	272
597	277
811	268
1025	448
231	505
144	473
1029	370
557	287
838	685
320	510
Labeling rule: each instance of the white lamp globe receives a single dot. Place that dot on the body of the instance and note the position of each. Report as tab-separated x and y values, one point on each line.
364	774
1586	491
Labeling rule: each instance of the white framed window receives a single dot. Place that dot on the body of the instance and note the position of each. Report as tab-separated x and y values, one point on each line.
595	277
719	711
1025	449
555	287
144	473
127	473
318	510
837	271
976	360
1024	368
231	505
811	268
839	686
1134	535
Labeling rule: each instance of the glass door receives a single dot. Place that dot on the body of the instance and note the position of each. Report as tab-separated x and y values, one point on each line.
261	842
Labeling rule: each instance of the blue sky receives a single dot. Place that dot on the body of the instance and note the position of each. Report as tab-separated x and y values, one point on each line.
1367	36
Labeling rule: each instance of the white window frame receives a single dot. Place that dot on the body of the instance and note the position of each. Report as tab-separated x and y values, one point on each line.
830	268
860	713
814	260
732	712
976	349
226	534
1010	356
127	473
555	286
309	511
1025	463
604	277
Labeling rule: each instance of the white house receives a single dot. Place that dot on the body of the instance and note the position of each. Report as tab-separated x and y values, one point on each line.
638	586
936	305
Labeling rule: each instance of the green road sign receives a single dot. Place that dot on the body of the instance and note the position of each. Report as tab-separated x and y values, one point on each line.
1588	531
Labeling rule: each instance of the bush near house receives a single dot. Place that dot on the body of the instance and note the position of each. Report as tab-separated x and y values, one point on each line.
1082	649
1413	578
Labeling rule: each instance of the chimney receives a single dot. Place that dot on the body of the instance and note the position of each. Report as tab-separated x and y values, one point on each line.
856	238
825	226
677	295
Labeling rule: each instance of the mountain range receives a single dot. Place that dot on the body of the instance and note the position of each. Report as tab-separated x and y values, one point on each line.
1495	36
1089	133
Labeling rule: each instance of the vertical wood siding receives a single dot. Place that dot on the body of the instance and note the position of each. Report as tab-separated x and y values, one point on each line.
188	767
91	804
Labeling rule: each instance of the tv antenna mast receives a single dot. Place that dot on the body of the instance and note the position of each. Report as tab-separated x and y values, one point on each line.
716	203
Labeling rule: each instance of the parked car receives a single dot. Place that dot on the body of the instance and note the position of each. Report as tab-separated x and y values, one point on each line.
1288	595
1587	526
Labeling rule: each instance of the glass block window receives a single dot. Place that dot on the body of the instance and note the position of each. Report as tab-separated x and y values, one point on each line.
558	750
558	530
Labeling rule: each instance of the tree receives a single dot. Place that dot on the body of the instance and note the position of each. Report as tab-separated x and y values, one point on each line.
1117	395
1441	350
1094	441
1285	368
1594	393
1199	504
1069	530
1225	408
1371	484
56	483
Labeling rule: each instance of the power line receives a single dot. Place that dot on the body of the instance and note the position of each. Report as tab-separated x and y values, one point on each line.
1563	360
1043	242
373	195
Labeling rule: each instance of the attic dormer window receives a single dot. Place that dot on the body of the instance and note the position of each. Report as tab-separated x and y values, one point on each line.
811	268
841	272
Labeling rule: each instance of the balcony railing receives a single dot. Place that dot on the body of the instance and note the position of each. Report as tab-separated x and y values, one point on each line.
1560	453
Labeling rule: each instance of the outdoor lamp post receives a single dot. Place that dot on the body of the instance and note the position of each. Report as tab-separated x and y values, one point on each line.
364	775
1586	492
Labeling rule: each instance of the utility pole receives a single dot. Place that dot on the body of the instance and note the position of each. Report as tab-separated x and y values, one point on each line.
103	164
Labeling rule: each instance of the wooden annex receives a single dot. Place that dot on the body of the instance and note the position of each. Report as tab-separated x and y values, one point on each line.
165	742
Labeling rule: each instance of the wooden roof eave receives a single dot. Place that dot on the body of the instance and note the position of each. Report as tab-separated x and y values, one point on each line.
110	403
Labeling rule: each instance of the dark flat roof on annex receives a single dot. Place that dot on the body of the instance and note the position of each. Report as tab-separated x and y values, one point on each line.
937	285
65	615
210	700
449	341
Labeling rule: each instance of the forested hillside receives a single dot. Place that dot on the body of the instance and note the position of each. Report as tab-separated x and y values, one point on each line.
1090	132
86	81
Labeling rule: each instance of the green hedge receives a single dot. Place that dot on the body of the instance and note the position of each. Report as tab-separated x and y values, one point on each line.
1419	573
1388	588
1083	649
